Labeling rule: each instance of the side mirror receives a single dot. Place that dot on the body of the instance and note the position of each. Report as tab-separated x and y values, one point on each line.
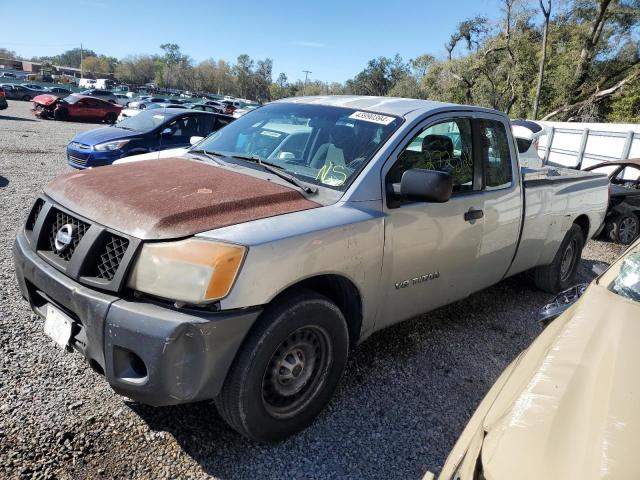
425	185
167	132
193	140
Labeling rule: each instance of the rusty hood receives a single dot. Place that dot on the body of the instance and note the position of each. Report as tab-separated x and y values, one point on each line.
569	409
171	198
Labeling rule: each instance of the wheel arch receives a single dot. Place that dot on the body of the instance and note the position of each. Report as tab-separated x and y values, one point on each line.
583	222
341	291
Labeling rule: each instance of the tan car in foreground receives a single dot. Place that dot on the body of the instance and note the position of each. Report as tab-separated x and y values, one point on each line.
569	406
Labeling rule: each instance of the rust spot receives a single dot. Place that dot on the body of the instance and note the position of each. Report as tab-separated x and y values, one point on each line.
173	197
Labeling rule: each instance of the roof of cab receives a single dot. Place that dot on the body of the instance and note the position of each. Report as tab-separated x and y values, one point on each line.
386	105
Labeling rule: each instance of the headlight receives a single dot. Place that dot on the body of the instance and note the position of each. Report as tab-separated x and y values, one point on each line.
192	271
108	146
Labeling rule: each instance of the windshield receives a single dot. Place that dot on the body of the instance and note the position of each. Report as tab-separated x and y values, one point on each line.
72	99
144	121
319	144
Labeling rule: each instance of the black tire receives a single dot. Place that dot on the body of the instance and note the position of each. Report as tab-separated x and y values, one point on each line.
623	229
26	98
110	118
287	369
561	273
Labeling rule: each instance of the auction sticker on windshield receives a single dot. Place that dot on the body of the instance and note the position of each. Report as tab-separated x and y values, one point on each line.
372	117
57	325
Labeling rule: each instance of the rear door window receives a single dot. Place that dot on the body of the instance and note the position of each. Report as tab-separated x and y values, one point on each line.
494	152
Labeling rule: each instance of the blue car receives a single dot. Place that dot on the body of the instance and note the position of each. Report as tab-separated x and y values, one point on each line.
146	132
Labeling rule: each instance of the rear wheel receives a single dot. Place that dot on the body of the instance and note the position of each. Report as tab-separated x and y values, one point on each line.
287	369
561	273
623	229
26	98
110	117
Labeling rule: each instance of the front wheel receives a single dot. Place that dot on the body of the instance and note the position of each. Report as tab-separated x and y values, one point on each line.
110	118
287	369
61	114
560	274
26	98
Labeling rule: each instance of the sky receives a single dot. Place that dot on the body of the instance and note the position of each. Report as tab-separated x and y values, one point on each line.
334	39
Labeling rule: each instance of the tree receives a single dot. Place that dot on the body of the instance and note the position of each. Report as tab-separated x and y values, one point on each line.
546	14
262	80
380	76
244	72
137	69
8	54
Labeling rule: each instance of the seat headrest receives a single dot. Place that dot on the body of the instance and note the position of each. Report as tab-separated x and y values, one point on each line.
342	136
437	143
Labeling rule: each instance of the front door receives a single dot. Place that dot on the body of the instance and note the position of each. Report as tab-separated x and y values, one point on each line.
436	253
181	131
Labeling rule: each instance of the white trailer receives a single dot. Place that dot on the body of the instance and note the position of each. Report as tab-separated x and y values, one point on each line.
580	145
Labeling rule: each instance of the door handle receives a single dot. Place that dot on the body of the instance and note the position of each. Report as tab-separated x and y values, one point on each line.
473	215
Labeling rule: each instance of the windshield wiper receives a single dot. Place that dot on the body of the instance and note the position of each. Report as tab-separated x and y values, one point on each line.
124	128
278	171
289	178
210	155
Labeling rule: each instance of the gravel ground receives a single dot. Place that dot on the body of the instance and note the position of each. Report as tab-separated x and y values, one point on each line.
407	393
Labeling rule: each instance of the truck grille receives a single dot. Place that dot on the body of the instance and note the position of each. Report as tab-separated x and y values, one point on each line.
96	255
111	257
79	228
35	213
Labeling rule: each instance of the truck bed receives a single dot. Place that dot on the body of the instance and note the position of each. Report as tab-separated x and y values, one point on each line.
553	199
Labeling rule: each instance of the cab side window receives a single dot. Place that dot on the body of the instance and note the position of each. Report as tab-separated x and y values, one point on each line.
494	151
446	147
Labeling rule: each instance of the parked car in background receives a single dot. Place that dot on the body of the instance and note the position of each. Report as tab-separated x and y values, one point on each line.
101	94
132	112
59	92
3	99
244	110
229	106
143	102
20	92
527	134
122	99
7	75
206	108
75	107
151	130
219	106
623	215
35	86
567	407
222	120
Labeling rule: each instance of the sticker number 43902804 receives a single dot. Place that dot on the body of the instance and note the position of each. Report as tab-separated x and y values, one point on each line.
57	326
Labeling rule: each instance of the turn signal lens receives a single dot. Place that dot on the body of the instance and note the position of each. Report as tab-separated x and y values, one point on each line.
192	271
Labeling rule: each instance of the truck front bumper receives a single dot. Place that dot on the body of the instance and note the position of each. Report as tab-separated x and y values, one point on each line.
147	351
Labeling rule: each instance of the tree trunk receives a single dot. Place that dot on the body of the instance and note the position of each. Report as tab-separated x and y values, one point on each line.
546	12
587	53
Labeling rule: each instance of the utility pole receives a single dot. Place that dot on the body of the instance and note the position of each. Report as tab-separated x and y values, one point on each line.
306	75
81	71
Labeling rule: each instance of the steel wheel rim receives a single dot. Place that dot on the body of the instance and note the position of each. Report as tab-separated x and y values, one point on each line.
568	260
628	230
296	371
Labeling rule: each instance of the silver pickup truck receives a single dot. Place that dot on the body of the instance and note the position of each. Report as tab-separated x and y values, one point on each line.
245	271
